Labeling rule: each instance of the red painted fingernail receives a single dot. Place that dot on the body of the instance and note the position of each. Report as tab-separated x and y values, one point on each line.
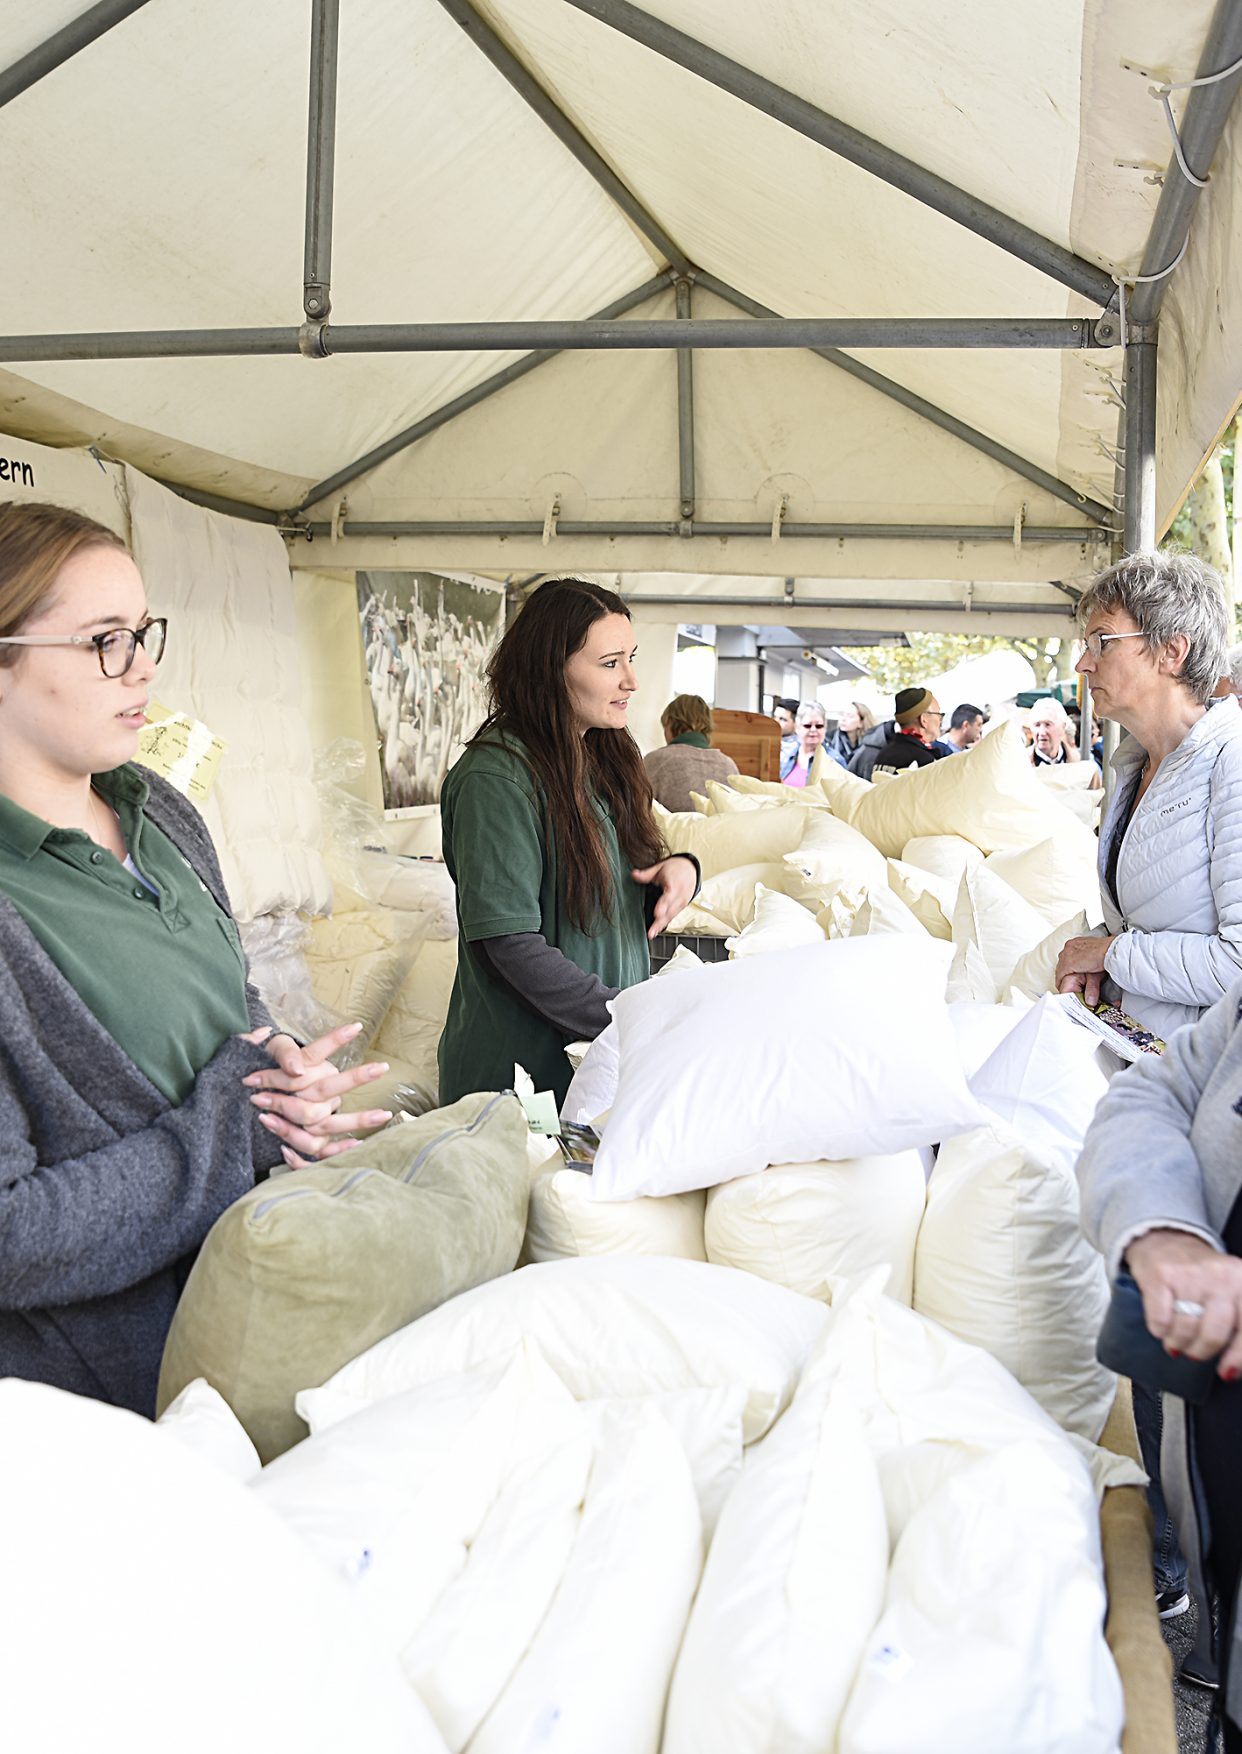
1231	1375
1173	1354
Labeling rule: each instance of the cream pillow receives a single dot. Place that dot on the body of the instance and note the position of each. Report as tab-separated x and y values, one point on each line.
830	851
989	794
1059	877
947	856
745	785
871	911
359	962
1033	973
1001	1261
930	899
844	791
730	896
746	837
802	1224
564	1222
779	923
992	928
793	1585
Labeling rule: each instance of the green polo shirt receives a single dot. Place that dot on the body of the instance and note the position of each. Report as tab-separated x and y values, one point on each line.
164	973
503	860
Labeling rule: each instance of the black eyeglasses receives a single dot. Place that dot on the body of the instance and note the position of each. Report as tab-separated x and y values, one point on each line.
116	647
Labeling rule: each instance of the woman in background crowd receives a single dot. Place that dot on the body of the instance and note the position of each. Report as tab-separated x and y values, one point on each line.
812	724
1156	638
142	1087
1161	1177
852	726
687	761
550	839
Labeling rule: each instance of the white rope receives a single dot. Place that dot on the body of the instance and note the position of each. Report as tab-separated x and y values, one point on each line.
1121	281
1164	91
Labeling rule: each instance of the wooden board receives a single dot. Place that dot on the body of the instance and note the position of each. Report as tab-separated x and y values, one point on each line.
752	739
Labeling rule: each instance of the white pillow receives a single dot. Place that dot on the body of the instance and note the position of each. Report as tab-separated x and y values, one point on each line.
793	1584
779	923
980	1029
596	1673
1002	1262
611	1325
594	1083
1045	1079
803	1224
1033	973
989	795
202	1419
708	1090
830	851
744	838
730	896
1058	877
930	899
992	1634
992	928
565	1222
143	1561
947	856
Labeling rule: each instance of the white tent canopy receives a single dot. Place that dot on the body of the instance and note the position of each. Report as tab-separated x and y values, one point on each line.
157	183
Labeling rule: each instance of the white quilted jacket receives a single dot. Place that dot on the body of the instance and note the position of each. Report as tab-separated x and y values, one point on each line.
1178	906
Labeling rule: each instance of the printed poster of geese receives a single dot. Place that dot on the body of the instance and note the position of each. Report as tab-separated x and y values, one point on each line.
427	639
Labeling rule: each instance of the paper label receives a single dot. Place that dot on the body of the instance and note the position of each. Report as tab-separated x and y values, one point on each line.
540	1105
181	749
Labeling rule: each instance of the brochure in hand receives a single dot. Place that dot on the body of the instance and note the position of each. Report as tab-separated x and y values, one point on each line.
1123	1034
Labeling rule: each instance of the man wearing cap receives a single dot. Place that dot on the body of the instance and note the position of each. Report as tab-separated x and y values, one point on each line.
965	729
917	720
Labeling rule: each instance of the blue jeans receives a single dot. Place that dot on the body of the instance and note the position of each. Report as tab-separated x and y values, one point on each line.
1168	1563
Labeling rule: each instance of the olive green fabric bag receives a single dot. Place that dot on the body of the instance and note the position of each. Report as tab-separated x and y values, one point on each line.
309	1269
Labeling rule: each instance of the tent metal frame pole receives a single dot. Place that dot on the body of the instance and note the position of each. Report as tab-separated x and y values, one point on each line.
1140	447
582	334
554	118
1207	110
685	404
489	387
891	167
217	502
852	603
686	527
63	45
979	441
320	160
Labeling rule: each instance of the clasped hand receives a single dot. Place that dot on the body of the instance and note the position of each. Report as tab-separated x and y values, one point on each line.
300	1094
1192	1296
1080	967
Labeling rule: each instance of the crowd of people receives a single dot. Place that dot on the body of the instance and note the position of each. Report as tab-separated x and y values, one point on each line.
143	1087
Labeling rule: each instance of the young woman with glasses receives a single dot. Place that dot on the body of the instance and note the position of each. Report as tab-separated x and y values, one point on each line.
142	1088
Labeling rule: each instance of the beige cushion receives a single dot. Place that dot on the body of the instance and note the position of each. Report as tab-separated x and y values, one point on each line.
930	899
565	1222
411	1031
1058	877
943	855
1033	973
767	792
310	1269
861	913
992	928
779	923
989	795
831	852
730	895
844	791
743	838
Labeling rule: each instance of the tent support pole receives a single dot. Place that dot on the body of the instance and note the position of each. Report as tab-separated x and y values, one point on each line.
685	405
1079	533
1207	110
1140	446
469	399
320	161
506	63
979	441
588	334
902	173
79	33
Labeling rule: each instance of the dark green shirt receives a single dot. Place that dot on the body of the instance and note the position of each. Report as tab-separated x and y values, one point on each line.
503	860
164	973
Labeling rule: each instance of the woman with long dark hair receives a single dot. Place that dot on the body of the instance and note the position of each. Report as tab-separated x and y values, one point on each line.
550	840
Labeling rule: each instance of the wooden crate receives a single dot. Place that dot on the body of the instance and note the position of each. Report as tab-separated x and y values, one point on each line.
752	739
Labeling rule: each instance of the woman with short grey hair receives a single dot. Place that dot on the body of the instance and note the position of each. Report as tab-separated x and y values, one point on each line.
1156	637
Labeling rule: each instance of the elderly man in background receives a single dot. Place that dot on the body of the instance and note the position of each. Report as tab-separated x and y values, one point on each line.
1052	738
916	726
965	729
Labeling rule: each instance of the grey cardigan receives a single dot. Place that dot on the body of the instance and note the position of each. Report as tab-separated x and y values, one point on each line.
1164	1151
106	1190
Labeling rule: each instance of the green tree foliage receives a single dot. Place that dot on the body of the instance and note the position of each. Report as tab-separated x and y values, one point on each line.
931	654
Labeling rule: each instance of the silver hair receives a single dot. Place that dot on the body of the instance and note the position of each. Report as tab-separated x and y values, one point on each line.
807	708
1235	668
1051	705
1168	594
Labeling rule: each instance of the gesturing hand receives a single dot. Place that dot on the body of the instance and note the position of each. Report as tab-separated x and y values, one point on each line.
300	1094
675	877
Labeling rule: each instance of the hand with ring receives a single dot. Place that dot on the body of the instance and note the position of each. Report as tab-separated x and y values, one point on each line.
1192	1297
300	1095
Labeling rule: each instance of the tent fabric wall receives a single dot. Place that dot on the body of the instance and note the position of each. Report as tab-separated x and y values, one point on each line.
337	700
454	200
72	478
